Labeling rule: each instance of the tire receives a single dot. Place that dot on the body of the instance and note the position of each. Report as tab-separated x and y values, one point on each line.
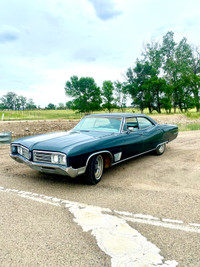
94	170
160	149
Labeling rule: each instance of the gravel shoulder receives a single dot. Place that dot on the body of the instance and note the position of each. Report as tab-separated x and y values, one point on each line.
26	128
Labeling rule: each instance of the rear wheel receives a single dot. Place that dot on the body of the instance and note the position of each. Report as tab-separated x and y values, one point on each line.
94	170
160	149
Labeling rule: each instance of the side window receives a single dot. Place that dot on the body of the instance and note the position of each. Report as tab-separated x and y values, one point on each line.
144	123
132	124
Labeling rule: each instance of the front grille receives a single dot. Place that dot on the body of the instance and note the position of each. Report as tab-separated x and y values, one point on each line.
23	151
42	157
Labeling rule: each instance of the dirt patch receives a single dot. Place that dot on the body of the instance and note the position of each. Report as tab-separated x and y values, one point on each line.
26	128
174	119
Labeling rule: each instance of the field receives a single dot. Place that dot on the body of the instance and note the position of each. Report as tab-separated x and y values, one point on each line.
186	121
70	114
39	115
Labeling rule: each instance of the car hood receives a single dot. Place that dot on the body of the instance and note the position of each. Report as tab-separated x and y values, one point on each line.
60	141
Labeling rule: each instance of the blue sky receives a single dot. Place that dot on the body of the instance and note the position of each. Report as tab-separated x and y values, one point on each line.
44	42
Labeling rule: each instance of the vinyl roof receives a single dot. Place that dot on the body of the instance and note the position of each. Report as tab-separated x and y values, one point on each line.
122	115
118	115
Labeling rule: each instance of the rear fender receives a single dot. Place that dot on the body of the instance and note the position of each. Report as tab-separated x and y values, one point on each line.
170	132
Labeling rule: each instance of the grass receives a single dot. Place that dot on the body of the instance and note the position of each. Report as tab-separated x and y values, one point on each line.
70	114
67	114
193	115
51	114
39	115
189	127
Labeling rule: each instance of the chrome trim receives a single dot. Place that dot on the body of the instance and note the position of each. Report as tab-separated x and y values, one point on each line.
122	125
70	171
139	154
49	153
50	168
23	148
99	152
153	123
45	151
132	157
162	144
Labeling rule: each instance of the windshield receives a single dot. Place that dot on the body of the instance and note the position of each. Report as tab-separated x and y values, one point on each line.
103	124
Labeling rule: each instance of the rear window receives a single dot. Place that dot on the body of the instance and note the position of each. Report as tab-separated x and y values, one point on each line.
144	123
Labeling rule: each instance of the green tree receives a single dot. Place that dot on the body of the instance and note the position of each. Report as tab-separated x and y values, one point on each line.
177	60
168	59
107	93
30	104
120	95
23	101
9	100
153	85
139	85
50	106
68	104
194	78
2	106
153	55
61	106
86	95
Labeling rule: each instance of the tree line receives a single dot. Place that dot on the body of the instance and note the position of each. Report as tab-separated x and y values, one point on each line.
12	101
167	76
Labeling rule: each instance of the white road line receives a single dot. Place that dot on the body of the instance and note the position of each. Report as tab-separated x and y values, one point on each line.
195	224
125	245
172	221
138	218
142	216
164	225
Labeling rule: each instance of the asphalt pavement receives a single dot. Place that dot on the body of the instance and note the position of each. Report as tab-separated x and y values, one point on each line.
145	212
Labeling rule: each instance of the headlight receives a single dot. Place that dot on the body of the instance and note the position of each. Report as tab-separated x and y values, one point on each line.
19	150
62	159
58	159
54	159
13	149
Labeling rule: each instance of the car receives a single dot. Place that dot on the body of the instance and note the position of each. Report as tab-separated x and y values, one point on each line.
97	142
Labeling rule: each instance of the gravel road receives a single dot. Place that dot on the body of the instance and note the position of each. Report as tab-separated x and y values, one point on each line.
42	222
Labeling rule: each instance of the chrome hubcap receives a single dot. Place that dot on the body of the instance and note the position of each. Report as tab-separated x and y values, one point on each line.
161	148
98	169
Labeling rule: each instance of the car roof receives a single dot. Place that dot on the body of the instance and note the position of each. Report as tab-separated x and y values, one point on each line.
117	115
122	115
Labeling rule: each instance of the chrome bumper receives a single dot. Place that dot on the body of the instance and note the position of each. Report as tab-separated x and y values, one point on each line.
50	168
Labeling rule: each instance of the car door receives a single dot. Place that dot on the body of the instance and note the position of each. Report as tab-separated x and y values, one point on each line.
132	139
151	133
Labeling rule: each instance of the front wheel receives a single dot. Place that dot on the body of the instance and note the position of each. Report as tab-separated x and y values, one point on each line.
94	170
160	149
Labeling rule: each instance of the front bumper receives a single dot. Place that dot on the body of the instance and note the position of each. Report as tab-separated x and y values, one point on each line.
50	168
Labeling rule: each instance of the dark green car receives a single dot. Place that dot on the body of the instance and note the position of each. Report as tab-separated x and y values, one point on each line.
95	143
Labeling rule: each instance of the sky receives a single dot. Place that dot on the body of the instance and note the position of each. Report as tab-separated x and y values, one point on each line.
45	42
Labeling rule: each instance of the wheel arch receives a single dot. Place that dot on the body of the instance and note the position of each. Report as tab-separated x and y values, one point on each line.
104	153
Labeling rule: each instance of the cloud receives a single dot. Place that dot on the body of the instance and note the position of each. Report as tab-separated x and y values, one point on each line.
8	34
105	9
